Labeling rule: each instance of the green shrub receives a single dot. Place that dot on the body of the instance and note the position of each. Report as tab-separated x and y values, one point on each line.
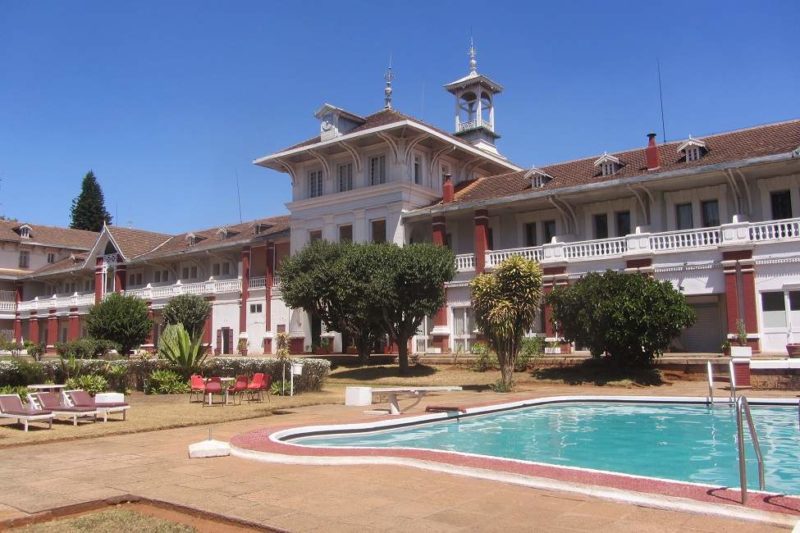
630	318
278	388
166	382
189	310
35	349
485	359
22	390
531	349
122	319
85	348
91	383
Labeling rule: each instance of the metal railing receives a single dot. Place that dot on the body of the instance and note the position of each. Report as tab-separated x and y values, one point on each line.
732	373
710	370
743	413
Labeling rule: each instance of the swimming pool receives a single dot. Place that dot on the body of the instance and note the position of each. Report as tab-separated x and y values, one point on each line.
681	442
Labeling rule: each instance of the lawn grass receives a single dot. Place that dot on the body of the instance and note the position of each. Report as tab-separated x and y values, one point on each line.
109	521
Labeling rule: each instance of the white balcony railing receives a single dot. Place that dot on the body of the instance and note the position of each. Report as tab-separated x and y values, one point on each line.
736	233
595	249
465	262
258	283
6	306
775	230
686	239
64	301
495	257
276	280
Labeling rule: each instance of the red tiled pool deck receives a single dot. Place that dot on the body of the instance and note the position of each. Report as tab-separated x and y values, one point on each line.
366	497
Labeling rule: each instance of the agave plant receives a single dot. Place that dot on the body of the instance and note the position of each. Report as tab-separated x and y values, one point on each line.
179	348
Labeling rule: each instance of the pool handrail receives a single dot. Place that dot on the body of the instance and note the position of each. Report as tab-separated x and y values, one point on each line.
710	383
743	411
732	374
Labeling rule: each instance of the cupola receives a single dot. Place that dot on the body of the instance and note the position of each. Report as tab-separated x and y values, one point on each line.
475	118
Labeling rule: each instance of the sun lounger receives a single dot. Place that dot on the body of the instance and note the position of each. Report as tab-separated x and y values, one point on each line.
393	392
11	407
81	398
52	402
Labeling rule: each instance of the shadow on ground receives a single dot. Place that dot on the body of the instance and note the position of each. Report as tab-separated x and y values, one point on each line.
601	372
370	373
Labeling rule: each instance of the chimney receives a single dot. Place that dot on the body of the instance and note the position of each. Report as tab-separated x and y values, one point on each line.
448	190
651	152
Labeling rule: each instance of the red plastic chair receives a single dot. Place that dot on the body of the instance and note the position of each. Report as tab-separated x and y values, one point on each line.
198	387
261	382
213	386
238	389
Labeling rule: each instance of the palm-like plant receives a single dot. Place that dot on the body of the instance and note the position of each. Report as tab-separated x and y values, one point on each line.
506	302
179	348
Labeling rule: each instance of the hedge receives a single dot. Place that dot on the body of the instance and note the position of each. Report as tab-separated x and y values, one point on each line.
20	372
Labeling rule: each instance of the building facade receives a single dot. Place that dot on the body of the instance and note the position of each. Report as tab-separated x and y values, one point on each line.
717	216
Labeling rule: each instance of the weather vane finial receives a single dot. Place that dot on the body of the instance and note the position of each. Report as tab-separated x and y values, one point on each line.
387	91
473	57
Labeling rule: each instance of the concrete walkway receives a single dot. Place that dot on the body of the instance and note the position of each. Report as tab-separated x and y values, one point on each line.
305	498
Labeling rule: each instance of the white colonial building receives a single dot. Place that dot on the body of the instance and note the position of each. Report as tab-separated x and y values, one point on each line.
715	215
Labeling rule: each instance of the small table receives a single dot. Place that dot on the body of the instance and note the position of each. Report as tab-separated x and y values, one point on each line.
225	388
47	387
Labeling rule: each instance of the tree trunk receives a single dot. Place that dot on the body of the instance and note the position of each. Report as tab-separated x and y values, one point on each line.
507	372
363	343
402	355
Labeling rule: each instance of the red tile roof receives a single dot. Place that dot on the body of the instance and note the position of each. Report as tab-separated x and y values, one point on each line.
135	242
48	235
782	137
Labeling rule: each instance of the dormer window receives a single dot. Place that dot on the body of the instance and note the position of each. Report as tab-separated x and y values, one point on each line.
25	231
334	121
538	177
259	228
692	149
608	164
222	233
191	239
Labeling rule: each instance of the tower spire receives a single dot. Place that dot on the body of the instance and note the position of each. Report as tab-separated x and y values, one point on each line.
387	91
473	57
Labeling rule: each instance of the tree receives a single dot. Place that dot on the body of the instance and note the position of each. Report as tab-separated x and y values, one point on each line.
88	209
505	304
181	349
190	310
332	281
630	317
407	286
122	319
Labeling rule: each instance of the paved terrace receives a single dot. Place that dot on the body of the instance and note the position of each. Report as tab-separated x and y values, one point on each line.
323	498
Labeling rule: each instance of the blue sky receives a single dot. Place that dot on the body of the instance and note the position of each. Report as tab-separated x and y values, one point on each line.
169	101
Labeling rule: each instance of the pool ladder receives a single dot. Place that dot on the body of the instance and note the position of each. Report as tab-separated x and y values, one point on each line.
742	415
732	382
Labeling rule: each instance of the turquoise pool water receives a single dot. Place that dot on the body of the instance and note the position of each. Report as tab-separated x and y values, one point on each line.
671	441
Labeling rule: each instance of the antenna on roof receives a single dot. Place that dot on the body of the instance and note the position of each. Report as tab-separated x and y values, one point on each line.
661	102
238	195
387	91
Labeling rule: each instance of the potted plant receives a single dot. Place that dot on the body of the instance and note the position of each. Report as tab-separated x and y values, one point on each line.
725	347
553	347
742	350
241	347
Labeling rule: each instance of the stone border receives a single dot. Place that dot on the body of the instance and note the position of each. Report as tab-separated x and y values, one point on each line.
270	445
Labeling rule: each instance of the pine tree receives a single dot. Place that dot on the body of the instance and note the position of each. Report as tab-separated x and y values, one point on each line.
89	209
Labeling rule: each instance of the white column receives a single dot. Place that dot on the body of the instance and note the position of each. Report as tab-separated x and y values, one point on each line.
329	229
360	233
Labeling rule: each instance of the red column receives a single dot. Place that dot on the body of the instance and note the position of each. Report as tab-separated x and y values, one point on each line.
731	297
17	319
74	326
120	278
749	296
33	327
245	289
439	231
269	277
99	289
52	330
481	239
